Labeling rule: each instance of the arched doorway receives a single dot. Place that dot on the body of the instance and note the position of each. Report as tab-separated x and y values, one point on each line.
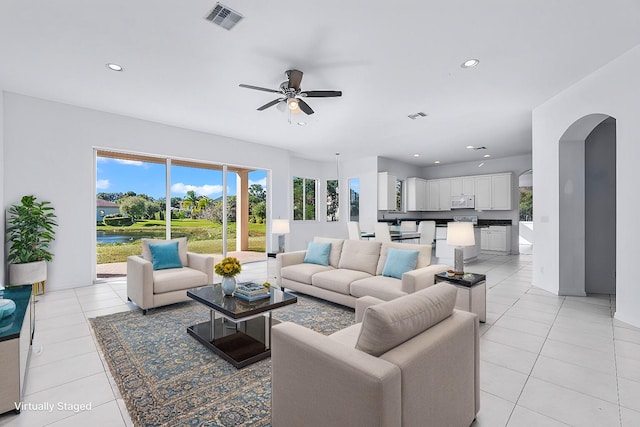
587	207
525	208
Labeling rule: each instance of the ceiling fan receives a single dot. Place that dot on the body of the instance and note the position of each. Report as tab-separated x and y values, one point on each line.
292	94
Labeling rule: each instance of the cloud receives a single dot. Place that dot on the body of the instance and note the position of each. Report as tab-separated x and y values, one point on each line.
262	182
201	190
129	162
102	184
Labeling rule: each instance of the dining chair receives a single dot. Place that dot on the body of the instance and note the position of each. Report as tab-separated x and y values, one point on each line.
408	226
427	230
354	230
382	232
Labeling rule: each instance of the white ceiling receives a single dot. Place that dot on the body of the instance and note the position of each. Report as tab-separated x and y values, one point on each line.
390	59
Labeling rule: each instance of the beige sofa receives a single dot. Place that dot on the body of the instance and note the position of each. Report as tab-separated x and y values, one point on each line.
149	288
355	270
413	361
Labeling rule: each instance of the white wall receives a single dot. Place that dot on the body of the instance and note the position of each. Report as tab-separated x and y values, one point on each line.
612	90
48	151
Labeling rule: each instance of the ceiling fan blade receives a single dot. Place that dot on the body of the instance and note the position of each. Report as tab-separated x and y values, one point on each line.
304	106
321	93
270	104
295	77
264	89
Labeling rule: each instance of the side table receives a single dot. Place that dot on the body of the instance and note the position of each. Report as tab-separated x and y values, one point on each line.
472	292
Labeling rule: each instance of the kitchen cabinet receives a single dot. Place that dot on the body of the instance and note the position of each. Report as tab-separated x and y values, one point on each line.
444	193
438	195
493	192
386	191
417	194
463	186
496	239
433	195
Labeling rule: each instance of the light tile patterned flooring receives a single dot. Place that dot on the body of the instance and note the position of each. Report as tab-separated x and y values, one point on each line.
545	360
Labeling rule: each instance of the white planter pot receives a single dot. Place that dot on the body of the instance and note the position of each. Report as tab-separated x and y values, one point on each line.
27	273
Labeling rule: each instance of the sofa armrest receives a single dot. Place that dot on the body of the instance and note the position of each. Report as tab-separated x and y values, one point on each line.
363	303
140	281
421	278
202	263
319	381
287	258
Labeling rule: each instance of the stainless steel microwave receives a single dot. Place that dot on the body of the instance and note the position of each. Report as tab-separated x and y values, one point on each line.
463	202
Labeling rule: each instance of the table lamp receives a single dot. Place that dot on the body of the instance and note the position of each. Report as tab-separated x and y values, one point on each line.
460	234
280	227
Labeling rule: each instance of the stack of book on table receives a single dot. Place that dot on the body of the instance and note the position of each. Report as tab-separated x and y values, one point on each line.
251	292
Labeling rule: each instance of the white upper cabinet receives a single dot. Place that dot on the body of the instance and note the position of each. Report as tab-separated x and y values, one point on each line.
417	194
386	191
493	192
444	186
433	195
463	186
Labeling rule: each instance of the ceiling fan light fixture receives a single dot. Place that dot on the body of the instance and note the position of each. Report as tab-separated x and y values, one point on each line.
292	103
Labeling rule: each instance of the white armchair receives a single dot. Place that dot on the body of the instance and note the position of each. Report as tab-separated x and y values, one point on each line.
149	288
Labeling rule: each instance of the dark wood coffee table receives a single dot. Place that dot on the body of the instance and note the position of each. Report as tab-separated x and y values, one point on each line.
242	332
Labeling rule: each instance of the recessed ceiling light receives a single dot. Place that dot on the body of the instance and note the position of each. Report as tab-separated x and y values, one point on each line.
437	162
416	155
481	164
486	156
114	67
470	63
469	146
302	123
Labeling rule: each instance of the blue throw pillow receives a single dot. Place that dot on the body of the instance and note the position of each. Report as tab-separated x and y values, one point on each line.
399	261
318	253
165	255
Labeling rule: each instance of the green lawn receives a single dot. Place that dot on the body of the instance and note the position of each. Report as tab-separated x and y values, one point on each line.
203	236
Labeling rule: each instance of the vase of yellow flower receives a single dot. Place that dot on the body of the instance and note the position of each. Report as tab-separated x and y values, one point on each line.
228	268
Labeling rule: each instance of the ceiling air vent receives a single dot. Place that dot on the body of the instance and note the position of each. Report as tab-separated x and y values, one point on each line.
224	16
416	115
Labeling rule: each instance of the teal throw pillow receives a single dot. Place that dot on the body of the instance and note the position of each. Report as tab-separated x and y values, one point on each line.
165	255
318	253
399	261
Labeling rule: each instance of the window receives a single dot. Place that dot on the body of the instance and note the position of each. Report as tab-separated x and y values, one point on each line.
332	200
399	195
354	199
304	199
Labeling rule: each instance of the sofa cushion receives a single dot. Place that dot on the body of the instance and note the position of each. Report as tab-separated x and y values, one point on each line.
361	255
336	249
424	256
399	261
317	253
182	248
176	279
384	288
302	272
338	280
165	255
386	325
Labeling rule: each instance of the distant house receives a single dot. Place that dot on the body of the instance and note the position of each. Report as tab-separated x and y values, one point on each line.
104	207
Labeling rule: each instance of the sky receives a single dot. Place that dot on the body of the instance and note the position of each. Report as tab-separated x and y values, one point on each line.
120	176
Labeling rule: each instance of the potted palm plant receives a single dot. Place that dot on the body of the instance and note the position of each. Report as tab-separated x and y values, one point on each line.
30	231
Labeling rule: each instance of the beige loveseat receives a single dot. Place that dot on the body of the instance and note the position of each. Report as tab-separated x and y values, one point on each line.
413	361
355	270
149	288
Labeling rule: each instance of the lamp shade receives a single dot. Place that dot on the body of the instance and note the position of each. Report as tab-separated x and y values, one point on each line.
460	234
280	226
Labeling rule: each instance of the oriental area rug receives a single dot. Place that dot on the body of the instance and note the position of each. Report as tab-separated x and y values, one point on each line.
167	378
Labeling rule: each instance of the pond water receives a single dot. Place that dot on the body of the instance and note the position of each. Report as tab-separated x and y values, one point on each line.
103	238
